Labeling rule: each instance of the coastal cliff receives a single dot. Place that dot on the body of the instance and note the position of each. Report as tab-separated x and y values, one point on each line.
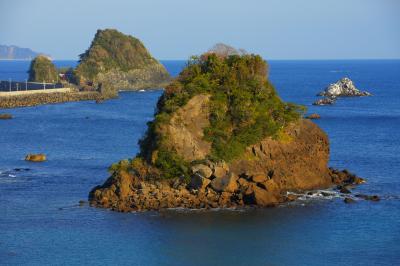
115	61
221	137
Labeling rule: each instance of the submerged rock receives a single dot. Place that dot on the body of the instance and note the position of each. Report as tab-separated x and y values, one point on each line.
349	200
368	197
36	157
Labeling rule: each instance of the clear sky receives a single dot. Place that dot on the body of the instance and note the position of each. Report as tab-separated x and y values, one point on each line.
176	29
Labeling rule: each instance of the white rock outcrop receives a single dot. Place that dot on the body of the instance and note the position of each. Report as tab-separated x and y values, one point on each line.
343	88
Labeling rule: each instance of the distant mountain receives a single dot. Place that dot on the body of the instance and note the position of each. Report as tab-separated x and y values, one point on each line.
15	52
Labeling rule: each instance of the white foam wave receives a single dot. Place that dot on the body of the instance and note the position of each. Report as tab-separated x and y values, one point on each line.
316	195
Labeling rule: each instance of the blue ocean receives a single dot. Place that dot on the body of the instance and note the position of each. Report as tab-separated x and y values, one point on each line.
41	222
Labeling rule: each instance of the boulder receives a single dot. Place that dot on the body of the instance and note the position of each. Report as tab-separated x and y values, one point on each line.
220	169
226	183
203	170
255	195
243	183
269	185
36	157
292	197
197	181
259	178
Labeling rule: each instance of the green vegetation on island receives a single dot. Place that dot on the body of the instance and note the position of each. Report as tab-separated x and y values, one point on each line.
222	138
118	61
42	70
244	109
111	49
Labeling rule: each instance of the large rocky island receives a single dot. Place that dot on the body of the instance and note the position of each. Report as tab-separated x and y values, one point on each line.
221	137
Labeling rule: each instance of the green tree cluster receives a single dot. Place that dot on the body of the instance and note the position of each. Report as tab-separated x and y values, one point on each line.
42	70
245	109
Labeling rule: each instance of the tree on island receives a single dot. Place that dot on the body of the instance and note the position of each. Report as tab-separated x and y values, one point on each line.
42	70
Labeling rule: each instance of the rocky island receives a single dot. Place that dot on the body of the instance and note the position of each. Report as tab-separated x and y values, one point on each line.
222	138
113	62
342	88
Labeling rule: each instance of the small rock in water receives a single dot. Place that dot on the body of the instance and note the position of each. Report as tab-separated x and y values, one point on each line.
368	197
325	194
292	197
345	190
82	202
313	116
343	87
325	101
5	116
36	157
349	200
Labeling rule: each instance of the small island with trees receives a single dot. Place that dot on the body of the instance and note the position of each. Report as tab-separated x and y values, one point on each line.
113	62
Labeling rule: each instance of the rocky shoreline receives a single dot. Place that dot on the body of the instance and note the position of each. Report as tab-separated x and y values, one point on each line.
263	177
47	98
203	193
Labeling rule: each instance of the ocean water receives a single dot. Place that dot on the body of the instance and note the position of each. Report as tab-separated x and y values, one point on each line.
42	224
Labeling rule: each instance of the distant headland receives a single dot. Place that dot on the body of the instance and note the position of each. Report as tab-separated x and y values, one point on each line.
12	52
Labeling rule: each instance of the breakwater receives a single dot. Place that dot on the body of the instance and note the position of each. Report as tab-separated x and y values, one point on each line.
23	100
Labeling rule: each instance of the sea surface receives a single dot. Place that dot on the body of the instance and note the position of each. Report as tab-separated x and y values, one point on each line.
41	222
